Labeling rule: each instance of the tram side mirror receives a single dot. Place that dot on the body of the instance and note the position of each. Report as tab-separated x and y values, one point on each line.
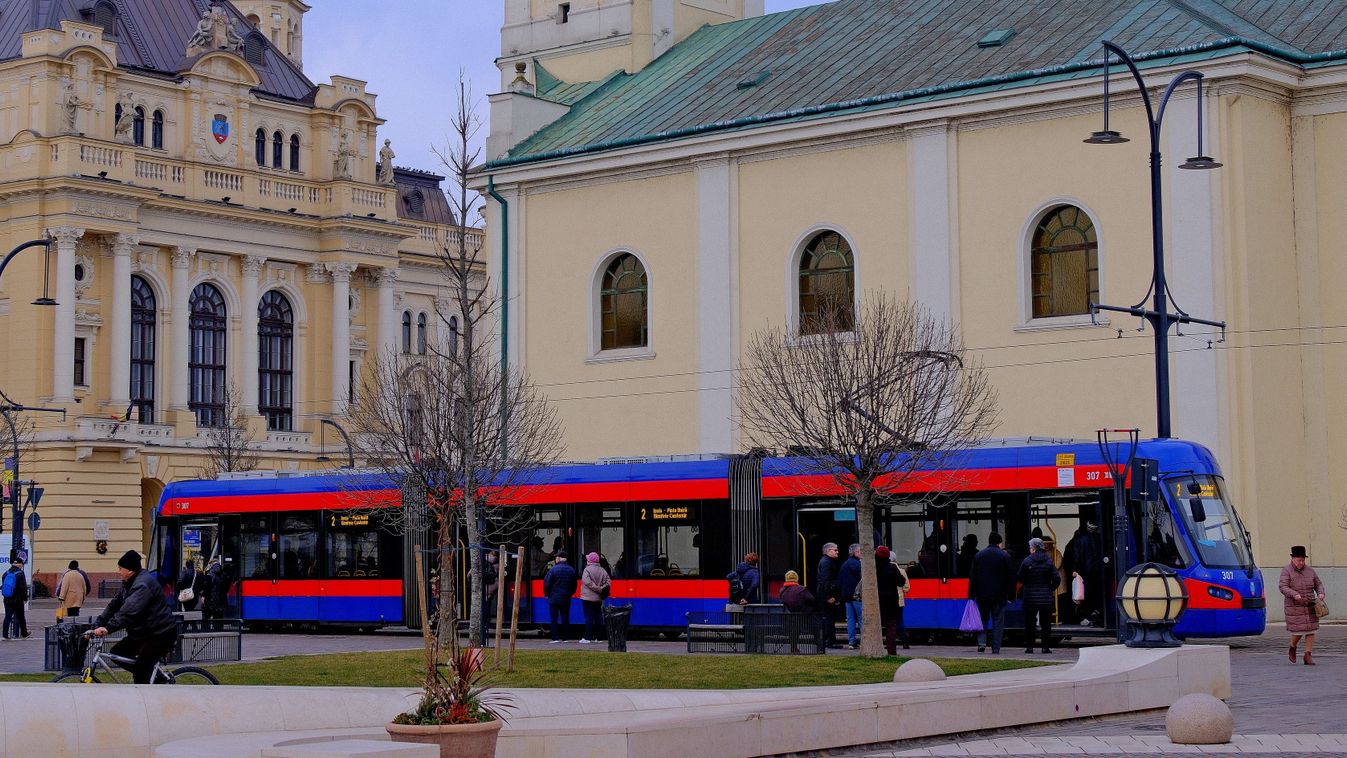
1197	510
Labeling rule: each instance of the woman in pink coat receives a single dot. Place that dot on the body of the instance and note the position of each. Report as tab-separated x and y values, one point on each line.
1300	588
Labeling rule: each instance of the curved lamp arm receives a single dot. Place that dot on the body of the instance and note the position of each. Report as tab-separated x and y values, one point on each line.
350	452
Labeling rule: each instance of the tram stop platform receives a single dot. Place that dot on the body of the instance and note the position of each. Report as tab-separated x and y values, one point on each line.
214	722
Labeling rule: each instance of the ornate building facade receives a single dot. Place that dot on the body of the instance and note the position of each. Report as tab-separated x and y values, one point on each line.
218	223
658	204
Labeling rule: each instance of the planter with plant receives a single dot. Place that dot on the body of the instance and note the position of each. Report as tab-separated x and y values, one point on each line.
458	710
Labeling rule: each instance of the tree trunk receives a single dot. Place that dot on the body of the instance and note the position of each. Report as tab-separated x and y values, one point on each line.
872	642
470	507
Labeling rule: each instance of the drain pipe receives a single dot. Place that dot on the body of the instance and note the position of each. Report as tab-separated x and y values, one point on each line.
504	308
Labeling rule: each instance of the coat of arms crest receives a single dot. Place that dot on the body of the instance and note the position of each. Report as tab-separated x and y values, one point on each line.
219	127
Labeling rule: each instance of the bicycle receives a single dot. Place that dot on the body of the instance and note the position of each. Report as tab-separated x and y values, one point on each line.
95	658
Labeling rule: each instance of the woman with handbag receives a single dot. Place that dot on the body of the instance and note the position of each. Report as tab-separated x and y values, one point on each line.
1303	595
187	595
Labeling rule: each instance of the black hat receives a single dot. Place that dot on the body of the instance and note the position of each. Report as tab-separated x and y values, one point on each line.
130	561
560	554
994	539
1298	551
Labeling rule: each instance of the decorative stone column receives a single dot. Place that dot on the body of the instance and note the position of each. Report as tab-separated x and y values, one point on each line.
180	353
251	266
119	344
63	356
389	323
341	334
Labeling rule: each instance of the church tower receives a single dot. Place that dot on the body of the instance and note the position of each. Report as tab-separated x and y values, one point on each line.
585	40
282	21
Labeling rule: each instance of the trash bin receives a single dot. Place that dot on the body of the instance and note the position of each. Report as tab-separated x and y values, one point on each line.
70	638
617	618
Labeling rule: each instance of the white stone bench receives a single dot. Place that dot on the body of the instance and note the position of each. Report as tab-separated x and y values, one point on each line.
352	749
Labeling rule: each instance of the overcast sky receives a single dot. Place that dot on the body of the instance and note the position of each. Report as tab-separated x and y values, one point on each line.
410	53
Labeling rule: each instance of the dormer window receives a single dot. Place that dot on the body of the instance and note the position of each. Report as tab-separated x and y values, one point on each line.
255	49
416	202
564	13
105	15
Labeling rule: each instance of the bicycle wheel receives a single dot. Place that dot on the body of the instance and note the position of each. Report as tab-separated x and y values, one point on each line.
72	677
192	675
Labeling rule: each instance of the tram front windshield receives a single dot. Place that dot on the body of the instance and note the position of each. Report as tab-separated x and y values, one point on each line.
1219	537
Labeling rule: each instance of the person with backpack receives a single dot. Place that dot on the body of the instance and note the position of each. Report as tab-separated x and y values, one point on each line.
595	586
559	587
71	590
14	588
745	581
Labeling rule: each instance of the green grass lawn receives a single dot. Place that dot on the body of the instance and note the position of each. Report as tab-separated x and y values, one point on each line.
586	670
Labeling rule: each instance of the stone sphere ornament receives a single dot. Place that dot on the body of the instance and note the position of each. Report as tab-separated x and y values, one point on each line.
1199	719
918	670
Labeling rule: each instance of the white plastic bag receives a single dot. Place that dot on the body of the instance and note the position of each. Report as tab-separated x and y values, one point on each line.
1078	589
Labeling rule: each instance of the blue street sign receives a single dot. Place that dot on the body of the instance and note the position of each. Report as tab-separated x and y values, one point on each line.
34	521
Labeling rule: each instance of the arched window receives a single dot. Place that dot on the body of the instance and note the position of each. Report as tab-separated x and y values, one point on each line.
277	145
453	335
1064	263
254	49
138	126
294	152
157	131
421	334
622	304
406	331
143	316
416	202
260	147
827	284
206	364
105	15
275	361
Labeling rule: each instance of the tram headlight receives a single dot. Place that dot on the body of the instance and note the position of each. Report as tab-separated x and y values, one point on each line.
1152	598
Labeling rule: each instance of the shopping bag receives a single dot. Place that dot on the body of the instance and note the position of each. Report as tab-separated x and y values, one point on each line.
1077	589
972	618
60	614
1320	608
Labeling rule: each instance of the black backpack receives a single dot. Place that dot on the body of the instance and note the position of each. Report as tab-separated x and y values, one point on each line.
736	585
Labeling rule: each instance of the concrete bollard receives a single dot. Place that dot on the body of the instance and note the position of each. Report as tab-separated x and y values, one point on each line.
918	670
1199	719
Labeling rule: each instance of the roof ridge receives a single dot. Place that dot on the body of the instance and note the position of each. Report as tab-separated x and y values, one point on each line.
1225	21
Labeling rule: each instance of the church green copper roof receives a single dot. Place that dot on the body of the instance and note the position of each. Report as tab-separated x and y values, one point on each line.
855	55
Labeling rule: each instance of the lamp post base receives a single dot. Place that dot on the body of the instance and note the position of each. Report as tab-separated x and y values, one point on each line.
1142	634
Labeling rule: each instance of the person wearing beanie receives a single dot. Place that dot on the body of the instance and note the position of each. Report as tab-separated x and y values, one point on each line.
595	586
559	587
991	584
141	609
796	597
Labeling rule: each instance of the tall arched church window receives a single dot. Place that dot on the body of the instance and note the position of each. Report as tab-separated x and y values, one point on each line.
406	331
206	361
277	145
421	334
623	315
827	284
144	313
157	131
260	147
453	335
1064	263
275	361
294	152
138	126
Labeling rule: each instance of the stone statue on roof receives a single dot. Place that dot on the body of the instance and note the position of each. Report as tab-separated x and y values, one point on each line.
214	32
341	165
386	155
125	117
71	103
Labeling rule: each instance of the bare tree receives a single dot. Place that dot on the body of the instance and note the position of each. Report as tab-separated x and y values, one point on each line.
229	445
453	423
873	397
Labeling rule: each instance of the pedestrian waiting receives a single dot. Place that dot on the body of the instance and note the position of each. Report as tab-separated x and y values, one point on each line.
991	584
849	580
595	586
1039	578
745	581
559	587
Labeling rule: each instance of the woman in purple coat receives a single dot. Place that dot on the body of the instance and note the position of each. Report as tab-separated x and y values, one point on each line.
1300	588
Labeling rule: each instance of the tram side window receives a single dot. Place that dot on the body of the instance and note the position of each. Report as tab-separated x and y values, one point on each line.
907	536
299	546
352	546
549	535
973	524
601	532
255	547
668	541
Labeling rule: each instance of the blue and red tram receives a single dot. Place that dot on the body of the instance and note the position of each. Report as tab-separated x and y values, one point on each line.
670	531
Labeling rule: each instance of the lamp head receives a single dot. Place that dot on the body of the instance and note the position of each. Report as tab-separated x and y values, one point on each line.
102	174
1105	137
1200	163
225	199
322	459
44	301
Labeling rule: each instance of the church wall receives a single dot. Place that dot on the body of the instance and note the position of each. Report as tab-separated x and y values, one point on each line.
609	408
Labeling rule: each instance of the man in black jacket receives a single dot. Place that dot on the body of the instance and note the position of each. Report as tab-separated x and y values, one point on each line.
991	584
828	594
16	603
141	609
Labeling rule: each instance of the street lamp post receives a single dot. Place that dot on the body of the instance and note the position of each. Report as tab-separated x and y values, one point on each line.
350	452
1159	316
7	406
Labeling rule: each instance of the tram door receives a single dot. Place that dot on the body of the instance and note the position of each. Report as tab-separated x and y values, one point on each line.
816	526
1076	529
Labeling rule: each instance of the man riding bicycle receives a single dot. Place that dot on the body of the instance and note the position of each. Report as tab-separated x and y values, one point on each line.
141	609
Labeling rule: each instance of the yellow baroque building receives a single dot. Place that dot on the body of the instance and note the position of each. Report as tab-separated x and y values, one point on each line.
671	175
217	222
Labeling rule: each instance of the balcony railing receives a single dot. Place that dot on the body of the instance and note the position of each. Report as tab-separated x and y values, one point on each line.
250	187
96	429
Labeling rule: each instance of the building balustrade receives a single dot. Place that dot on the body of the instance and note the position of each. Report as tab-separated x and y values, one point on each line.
248	187
96	429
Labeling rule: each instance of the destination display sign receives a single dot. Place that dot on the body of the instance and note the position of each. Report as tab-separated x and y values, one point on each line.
680	513
348	520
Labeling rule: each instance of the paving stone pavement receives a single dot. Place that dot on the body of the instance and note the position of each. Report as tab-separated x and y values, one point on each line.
1279	708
